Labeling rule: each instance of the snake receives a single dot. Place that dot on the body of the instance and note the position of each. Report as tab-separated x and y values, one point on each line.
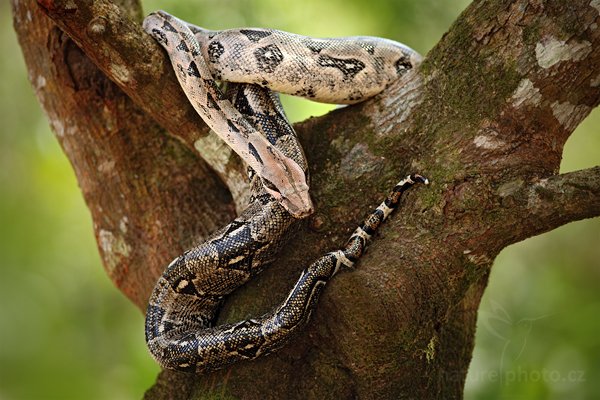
253	66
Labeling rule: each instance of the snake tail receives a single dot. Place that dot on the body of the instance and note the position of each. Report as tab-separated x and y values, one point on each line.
217	347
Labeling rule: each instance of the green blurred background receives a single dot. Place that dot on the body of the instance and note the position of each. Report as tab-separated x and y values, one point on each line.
67	333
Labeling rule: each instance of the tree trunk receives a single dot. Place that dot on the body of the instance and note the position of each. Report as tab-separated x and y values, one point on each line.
485	117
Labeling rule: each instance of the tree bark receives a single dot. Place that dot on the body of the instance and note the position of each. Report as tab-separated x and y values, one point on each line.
485	117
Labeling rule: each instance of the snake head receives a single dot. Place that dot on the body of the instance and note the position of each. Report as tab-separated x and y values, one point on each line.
286	181
296	201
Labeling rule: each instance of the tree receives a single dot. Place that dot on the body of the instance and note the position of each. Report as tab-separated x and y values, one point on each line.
485	117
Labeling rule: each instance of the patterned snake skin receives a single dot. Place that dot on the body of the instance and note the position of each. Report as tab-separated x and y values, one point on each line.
182	310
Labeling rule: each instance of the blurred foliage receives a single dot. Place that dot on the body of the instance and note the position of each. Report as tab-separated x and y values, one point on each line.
67	333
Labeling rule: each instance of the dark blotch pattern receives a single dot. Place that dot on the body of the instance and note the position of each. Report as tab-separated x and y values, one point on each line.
254	35
194	29
215	50
349	67
315	46
402	65
253	151
369	47
232	127
160	37
242	339
168	27
373	221
243	106
193	70
268	57
182	46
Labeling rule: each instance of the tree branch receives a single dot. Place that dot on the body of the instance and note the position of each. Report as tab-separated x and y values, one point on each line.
565	198
139	184
138	65
130	58
551	202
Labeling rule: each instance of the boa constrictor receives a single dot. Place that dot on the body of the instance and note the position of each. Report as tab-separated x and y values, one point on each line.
182	310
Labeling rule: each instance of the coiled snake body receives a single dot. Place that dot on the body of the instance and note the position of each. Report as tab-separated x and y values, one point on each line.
180	330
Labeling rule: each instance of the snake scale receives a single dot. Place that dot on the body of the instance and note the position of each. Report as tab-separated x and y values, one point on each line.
256	63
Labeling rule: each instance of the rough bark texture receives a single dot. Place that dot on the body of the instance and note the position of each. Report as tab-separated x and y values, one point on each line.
485	118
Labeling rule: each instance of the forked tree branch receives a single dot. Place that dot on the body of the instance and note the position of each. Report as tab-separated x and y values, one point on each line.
485	118
129	57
